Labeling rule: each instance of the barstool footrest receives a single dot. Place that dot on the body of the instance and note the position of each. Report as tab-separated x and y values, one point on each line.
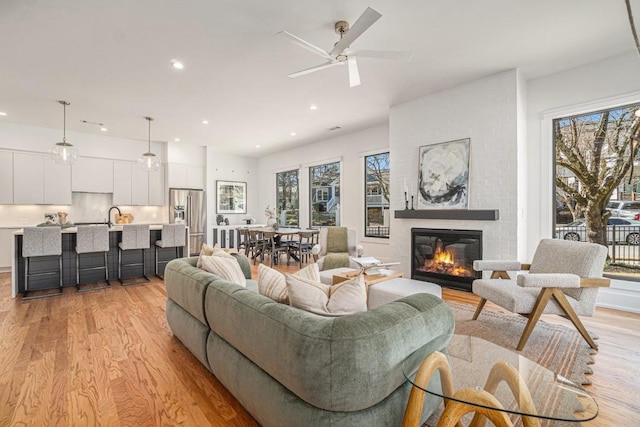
26	296
92	288
139	282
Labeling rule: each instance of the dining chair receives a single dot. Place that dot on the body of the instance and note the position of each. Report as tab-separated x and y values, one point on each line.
273	247
301	248
255	243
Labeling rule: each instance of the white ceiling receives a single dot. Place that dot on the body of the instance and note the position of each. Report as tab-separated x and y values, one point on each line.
111	60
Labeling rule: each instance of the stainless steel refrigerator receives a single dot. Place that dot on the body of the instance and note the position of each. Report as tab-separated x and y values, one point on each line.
188	207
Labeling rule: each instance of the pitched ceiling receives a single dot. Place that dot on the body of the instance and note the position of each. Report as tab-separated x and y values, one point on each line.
111	60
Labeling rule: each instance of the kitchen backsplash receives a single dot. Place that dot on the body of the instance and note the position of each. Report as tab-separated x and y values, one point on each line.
85	207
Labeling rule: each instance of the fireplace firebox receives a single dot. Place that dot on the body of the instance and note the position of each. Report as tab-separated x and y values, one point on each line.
445	256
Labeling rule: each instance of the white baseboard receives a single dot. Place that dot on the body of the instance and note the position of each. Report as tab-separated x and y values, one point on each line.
622	295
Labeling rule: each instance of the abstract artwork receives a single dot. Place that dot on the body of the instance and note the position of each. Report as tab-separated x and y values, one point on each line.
443	181
232	197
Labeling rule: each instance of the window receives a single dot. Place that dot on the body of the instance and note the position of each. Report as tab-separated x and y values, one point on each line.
376	181
324	183
287	199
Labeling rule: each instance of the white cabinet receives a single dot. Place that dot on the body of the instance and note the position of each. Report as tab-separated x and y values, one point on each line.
140	186
186	176
156	187
6	237
28	179
6	178
177	175
122	183
195	177
57	183
92	175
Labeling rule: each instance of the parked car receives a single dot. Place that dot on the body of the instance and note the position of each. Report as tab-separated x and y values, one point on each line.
624	209
626	230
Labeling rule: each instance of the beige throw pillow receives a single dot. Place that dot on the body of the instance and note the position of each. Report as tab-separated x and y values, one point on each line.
226	268
273	284
348	297
207	250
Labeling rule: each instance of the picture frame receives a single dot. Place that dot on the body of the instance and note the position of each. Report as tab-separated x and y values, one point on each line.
231	197
443	175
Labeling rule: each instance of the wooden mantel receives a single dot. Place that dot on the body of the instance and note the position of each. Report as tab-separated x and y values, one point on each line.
454	214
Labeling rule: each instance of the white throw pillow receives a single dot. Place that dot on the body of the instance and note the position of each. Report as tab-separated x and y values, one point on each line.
207	250
273	284
348	297
226	268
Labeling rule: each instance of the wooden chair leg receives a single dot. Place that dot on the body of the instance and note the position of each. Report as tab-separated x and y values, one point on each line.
479	308
571	314
454	412
538	309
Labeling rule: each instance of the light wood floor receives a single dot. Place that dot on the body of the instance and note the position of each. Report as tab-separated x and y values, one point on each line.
108	358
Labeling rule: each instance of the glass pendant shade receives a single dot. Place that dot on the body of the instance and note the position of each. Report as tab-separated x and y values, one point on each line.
149	161
64	153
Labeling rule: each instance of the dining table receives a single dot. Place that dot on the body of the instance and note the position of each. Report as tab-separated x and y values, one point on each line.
280	232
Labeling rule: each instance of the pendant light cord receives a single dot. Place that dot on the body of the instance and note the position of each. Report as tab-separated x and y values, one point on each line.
64	121
632	25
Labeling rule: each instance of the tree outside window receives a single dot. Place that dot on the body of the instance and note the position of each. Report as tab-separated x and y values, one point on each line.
595	155
287	199
376	181
325	194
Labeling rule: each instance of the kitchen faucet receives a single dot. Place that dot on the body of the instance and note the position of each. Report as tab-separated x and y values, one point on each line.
109	214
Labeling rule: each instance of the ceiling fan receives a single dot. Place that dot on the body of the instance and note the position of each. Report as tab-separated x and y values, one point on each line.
341	53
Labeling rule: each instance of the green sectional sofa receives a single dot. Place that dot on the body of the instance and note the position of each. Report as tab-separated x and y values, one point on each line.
290	367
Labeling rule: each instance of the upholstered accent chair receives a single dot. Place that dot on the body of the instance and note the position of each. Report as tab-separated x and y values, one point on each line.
563	279
329	250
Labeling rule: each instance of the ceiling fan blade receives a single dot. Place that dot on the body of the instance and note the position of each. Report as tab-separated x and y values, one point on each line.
354	75
363	23
382	54
305	44
314	69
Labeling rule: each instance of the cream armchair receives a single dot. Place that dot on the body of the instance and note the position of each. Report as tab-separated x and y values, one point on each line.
323	248
563	279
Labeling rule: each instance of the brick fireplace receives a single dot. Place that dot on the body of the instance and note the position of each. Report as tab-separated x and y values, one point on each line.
445	256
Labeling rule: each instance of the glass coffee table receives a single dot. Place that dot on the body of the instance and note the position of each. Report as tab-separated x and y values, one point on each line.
491	381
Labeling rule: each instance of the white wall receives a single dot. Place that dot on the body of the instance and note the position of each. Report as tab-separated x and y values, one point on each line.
591	84
350	149
226	167
486	111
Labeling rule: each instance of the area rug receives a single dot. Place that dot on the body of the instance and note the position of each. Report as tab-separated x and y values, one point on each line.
556	347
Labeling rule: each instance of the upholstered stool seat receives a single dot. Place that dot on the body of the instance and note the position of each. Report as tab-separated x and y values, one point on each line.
173	236
41	242
134	237
92	239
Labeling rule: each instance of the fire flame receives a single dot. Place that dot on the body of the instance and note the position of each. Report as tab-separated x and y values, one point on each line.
444	262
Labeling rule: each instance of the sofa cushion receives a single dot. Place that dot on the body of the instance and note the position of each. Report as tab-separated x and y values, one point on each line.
226	268
186	285
348	297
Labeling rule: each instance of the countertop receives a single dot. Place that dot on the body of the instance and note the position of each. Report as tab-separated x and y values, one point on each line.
75	229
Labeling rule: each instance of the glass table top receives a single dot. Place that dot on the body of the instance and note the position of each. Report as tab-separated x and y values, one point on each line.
520	385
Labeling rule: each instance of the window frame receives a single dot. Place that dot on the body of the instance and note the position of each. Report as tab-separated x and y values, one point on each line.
379	193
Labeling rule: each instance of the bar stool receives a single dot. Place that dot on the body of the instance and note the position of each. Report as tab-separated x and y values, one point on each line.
41	242
134	237
173	236
92	239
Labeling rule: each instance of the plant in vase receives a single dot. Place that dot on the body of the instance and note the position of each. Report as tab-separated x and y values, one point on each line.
270	213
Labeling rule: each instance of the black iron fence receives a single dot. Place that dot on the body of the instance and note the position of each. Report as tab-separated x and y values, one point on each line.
623	241
377	232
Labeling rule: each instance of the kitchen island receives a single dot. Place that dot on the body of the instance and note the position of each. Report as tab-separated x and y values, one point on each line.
69	258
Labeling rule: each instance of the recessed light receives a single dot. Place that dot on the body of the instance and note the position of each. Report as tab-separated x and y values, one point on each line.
103	129
205	122
293	134
177	64
257	146
2	113
313	107
176	139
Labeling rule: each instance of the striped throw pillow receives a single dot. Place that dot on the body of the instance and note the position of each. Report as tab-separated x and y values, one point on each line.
272	283
226	268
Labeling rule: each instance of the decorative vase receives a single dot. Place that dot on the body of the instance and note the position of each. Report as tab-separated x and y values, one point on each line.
271	222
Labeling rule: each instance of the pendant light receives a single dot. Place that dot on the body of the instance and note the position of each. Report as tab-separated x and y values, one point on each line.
62	152
149	161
